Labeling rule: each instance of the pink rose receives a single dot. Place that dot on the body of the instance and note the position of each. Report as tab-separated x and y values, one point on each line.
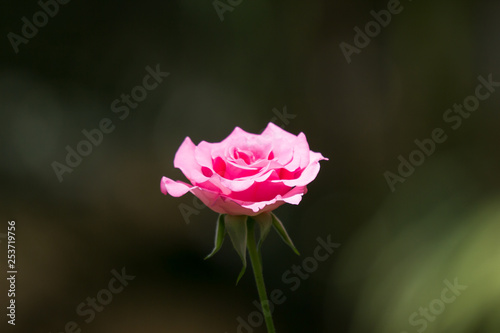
246	174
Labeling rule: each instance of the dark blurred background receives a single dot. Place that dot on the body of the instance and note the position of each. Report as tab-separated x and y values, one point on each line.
265	59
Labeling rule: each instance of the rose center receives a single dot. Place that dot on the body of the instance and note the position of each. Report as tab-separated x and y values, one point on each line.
242	155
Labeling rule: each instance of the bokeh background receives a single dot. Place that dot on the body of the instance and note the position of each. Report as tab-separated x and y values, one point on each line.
397	248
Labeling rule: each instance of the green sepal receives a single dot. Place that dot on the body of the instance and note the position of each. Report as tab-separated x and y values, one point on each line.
282	232
265	221
236	226
220	233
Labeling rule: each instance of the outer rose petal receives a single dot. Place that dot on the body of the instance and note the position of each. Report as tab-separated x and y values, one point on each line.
174	188
260	191
275	132
282	143
292	197
202	154
309	173
186	161
227	205
301	154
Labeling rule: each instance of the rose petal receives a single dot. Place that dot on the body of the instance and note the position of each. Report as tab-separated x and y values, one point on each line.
185	161
282	143
262	191
219	166
234	171
235	139
243	184
275	132
309	173
203	154
294	197
300	154
174	188
224	205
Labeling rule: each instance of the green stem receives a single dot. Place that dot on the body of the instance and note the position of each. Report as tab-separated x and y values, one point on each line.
259	277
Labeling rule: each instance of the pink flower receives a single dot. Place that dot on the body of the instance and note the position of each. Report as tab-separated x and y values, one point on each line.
246	174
